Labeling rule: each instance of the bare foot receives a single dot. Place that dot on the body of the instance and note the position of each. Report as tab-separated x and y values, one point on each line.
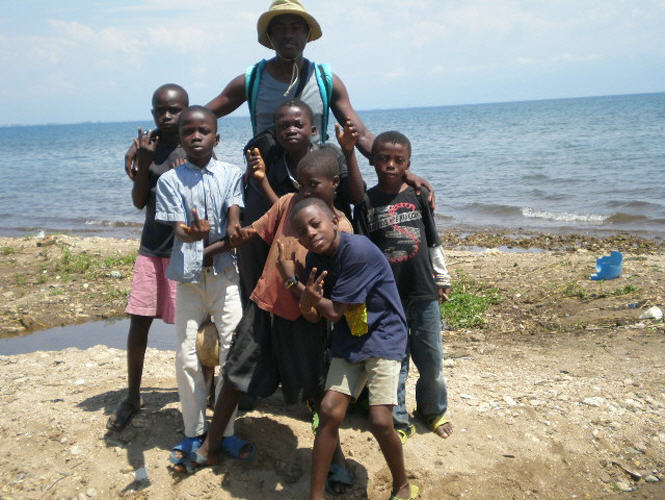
444	430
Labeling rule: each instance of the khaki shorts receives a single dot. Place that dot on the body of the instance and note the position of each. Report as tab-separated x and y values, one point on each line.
380	375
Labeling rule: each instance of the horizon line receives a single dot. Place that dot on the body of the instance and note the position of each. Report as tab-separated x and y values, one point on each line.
246	115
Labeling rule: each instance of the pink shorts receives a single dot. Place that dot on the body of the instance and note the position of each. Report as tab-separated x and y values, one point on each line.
152	294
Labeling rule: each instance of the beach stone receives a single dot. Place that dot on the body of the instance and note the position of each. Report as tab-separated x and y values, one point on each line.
624	486
91	492
651	479
594	401
605	477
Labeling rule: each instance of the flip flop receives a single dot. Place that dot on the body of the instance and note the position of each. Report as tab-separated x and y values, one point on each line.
413	493
338	475
123	415
432	423
405	434
232	446
187	462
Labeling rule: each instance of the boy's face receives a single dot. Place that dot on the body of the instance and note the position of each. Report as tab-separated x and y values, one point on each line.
391	161
167	106
198	135
294	129
316	230
313	184
288	34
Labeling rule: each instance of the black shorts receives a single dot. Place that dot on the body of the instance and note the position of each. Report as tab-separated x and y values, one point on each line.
268	350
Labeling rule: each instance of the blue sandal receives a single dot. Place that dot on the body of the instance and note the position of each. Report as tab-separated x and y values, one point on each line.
233	446
186	462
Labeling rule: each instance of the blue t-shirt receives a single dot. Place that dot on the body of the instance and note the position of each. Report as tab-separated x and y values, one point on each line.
359	274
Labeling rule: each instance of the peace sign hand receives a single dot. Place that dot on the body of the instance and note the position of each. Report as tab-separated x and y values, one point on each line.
313	292
347	137
146	144
255	164
286	265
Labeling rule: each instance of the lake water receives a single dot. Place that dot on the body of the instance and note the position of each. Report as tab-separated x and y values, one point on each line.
586	165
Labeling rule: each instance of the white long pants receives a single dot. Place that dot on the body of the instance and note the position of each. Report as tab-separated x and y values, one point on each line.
217	296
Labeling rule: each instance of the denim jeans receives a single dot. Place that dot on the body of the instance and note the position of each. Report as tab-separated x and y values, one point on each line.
425	347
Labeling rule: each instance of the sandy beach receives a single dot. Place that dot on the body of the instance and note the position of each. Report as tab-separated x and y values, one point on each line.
558	391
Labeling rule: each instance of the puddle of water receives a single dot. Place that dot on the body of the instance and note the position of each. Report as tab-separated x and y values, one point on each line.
111	333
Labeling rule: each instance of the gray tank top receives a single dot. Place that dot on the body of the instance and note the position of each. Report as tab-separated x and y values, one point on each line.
271	95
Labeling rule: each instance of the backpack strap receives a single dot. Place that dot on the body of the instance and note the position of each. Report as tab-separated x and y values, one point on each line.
324	79
252	81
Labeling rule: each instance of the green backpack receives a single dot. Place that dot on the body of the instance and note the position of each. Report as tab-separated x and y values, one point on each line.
324	79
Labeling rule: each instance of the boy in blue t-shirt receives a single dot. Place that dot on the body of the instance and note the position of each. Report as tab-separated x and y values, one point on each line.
356	291
400	223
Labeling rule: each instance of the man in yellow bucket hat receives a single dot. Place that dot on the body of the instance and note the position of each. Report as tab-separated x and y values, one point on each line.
286	27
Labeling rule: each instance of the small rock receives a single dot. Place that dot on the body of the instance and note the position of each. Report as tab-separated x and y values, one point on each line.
75	450
652	313
509	401
623	486
91	492
651	479
466	396
115	274
594	401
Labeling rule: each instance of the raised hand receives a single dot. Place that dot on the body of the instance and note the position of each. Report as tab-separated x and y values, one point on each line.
313	292
286	265
347	137
255	164
199	228
146	143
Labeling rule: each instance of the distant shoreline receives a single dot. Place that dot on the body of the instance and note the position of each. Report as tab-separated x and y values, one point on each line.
242	114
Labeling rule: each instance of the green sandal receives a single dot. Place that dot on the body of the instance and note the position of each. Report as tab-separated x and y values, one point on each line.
432	423
413	493
405	434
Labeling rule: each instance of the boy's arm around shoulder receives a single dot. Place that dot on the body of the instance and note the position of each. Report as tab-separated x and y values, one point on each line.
436	255
343	111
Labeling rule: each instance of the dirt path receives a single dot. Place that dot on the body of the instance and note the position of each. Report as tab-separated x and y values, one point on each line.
559	393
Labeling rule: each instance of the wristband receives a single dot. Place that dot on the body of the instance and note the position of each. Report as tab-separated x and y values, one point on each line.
290	282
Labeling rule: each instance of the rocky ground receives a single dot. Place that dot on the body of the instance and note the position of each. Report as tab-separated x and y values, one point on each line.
559	392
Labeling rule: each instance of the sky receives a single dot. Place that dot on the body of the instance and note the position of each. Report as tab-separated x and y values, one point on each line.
71	61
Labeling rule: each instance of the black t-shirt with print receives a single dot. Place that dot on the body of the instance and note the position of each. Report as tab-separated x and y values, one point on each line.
396	223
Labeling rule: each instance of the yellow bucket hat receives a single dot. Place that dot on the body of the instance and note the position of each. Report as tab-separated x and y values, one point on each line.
279	7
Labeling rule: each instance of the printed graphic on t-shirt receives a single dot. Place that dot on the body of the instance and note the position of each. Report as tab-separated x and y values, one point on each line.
401	241
356	318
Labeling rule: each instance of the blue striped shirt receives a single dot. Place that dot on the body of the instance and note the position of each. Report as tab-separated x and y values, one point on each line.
212	190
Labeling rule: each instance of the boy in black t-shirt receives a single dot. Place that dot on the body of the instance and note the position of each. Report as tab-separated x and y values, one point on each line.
152	294
400	223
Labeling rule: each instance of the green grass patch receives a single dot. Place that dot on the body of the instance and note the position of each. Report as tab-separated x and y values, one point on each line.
21	280
75	264
8	250
624	290
574	289
468	302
